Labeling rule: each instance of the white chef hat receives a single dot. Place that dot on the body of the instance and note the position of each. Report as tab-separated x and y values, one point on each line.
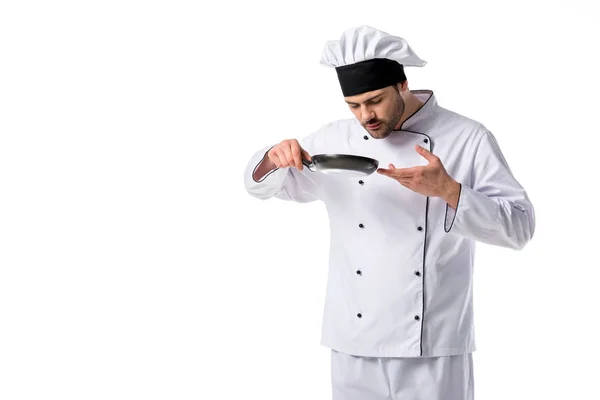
367	59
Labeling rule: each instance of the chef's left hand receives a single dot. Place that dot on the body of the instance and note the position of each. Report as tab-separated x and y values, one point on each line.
428	180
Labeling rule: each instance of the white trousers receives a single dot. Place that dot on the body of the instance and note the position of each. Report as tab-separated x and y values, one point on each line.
431	378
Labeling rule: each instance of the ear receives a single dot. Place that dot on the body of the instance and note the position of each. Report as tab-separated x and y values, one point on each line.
403	86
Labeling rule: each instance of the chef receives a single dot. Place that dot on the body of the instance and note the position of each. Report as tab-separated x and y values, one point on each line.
398	313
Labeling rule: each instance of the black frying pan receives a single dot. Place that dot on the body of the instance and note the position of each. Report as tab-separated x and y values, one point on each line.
342	164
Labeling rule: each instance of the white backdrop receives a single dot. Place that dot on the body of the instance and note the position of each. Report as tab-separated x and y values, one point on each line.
133	264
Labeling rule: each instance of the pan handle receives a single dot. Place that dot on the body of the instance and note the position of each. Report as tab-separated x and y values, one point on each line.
308	164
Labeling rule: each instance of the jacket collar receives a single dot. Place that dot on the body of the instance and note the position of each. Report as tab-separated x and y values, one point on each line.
423	113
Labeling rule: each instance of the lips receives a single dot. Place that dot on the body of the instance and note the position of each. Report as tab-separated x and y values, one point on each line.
374	126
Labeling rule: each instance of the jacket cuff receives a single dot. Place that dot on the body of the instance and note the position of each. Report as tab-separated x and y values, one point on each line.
451	212
258	163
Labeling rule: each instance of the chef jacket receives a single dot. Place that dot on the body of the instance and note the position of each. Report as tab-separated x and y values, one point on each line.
400	274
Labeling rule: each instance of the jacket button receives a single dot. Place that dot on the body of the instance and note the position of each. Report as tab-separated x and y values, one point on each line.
417	273
359	272
361	226
361	182
419	228
426	140
417	317
366	137
359	315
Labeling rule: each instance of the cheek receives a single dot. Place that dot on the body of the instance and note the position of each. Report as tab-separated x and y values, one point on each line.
396	109
385	112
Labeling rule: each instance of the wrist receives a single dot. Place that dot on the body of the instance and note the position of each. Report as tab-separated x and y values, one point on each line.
452	193
263	168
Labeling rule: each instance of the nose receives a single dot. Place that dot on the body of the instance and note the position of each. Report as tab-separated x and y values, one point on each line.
367	114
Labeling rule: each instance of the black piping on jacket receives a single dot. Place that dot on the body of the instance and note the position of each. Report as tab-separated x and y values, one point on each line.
424	247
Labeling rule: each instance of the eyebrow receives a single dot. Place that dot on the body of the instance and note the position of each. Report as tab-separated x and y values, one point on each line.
367	100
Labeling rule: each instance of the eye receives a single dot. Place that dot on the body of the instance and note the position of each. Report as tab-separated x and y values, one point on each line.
376	101
353	105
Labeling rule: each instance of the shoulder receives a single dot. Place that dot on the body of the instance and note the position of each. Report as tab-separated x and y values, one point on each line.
459	125
453	119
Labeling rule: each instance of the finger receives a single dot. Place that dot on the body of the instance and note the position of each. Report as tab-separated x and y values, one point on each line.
398	174
391	172
279	159
385	171
274	159
282	158
289	158
306	155
425	153
273	156
409	172
297	157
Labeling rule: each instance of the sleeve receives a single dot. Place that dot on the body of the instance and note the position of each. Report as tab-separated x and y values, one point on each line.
285	183
496	210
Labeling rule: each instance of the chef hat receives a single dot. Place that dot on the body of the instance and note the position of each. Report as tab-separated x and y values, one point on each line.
367	59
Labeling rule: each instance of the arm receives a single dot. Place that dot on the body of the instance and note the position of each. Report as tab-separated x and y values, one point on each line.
496	210
262	169
264	180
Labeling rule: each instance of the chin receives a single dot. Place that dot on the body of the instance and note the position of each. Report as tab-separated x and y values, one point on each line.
382	136
380	133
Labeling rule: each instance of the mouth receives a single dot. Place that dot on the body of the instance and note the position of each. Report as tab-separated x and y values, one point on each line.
374	126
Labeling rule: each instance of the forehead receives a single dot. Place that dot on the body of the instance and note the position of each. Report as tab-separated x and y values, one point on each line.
363	97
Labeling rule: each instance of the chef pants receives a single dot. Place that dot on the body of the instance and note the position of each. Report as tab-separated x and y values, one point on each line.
431	378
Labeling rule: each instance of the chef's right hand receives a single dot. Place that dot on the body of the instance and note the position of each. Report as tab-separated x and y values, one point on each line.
288	153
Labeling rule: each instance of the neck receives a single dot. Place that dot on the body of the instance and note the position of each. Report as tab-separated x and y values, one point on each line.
411	105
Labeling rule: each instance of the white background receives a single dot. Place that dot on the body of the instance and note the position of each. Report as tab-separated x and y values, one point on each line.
133	264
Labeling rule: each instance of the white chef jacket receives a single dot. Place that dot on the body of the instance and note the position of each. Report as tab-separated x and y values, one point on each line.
400	278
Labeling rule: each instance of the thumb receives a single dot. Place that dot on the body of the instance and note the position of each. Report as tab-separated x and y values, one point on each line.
306	155
425	153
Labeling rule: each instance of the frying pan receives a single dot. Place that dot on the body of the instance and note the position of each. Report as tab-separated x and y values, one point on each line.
342	164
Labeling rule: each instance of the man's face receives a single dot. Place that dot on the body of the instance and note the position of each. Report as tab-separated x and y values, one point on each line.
378	111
